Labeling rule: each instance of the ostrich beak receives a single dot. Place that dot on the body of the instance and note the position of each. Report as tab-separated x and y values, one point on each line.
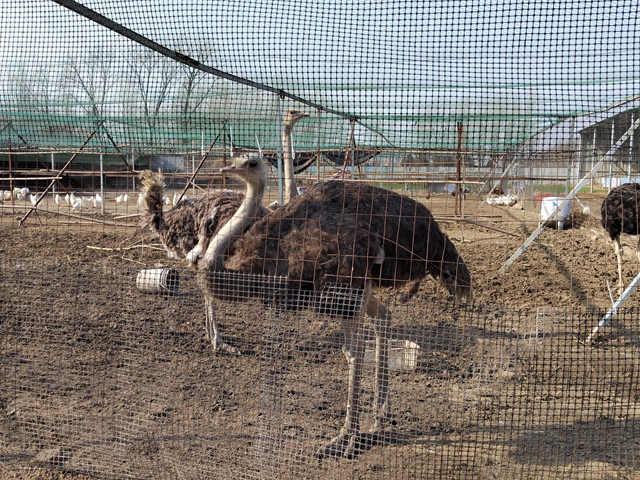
233	169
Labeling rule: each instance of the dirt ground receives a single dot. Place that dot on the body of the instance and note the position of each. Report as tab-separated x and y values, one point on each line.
473	377
561	268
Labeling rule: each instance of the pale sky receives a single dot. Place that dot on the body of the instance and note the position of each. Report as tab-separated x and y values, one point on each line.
378	59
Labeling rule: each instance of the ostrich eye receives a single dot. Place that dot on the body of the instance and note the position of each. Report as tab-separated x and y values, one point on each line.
253	164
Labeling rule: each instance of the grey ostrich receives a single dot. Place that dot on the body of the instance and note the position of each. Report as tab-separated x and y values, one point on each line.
620	213
291	117
186	229
336	233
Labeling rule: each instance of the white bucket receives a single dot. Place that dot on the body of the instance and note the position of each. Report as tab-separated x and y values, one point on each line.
158	280
403	354
549	204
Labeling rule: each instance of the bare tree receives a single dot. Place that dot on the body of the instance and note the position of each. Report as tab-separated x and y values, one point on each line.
153	76
194	86
35	90
92	78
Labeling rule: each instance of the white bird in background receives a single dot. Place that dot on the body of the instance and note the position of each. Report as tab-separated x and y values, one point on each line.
56	198
20	193
585	208
76	203
87	201
122	198
67	199
175	199
34	198
97	200
72	199
6	195
166	200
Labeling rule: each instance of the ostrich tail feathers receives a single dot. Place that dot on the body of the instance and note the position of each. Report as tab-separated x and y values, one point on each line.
151	193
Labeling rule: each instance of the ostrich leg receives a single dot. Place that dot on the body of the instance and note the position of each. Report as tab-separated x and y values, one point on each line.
618	248
344	444
211	328
381	319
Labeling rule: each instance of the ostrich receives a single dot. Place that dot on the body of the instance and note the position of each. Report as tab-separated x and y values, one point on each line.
291	117
186	229
336	233
620	213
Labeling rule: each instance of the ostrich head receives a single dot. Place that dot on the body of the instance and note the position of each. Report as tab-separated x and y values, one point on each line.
253	172
293	116
250	169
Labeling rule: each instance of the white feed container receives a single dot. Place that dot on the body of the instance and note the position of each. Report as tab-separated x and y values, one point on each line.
403	354
158	280
549	204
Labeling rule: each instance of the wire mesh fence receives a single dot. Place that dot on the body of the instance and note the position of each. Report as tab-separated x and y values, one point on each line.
379	127
101	378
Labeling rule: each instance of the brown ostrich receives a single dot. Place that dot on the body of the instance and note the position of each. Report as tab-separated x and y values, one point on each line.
336	233
186	229
620	213
291	117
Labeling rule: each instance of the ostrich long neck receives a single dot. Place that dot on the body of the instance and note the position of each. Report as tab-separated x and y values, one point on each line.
244	217
290	189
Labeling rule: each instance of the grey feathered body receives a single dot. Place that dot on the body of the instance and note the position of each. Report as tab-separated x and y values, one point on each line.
183	226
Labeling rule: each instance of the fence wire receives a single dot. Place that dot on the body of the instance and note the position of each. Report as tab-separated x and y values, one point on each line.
487	113
102	378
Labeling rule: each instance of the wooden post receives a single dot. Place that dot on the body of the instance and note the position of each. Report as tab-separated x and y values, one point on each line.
347	155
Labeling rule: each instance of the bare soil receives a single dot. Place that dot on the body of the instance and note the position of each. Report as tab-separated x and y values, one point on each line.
442	411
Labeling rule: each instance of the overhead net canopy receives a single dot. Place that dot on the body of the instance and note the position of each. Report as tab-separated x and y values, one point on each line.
169	76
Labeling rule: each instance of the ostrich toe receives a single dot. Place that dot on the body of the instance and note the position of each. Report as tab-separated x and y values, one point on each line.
195	254
226	348
348	445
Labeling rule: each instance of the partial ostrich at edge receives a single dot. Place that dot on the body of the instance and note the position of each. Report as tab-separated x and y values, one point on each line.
343	233
186	229
291	117
620	213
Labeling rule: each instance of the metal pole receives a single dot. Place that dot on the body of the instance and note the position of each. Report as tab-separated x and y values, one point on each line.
279	136
613	130
570	160
101	174
631	139
614	309
318	147
193	169
53	167
593	153
572	193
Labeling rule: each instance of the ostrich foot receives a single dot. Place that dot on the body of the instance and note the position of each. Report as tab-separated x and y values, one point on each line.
349	445
220	346
195	255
